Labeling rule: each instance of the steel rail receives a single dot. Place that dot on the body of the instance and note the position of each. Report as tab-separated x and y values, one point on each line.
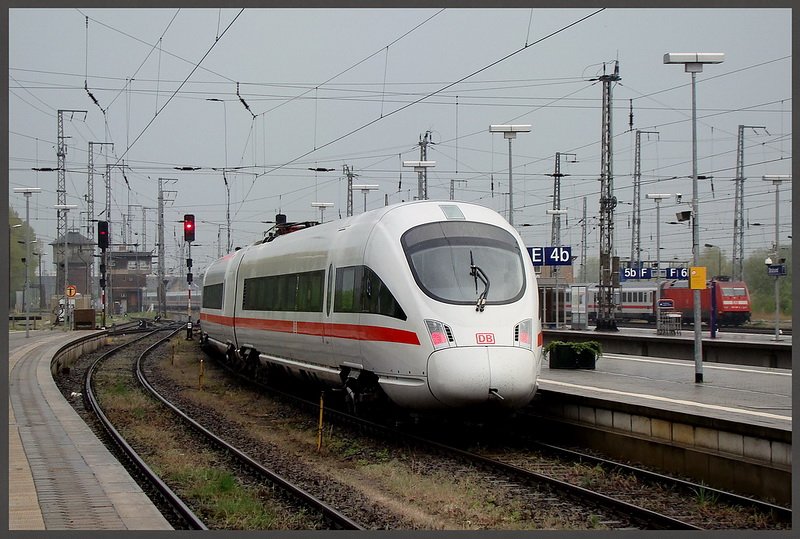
337	519
90	399
782	513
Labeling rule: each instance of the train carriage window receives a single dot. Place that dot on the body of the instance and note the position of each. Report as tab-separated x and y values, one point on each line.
212	296
348	290
360	290
289	292
377	298
309	291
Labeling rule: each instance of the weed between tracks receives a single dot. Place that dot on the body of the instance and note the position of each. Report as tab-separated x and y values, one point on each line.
216	495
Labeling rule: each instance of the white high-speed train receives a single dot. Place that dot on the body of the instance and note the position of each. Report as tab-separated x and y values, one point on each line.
433	304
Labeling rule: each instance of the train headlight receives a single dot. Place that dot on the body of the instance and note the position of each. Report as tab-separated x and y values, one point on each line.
523	334
441	335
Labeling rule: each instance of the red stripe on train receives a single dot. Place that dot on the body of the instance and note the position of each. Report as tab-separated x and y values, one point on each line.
320	329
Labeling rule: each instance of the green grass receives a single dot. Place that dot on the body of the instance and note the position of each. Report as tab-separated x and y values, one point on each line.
230	504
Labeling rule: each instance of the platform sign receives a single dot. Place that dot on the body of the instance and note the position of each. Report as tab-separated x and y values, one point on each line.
697	278
550	256
652	273
637	273
679	273
776	270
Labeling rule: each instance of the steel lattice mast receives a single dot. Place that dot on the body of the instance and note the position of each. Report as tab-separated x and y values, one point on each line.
605	291
636	239
738	206
61	188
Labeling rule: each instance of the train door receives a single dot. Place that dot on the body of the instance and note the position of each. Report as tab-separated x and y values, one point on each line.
342	330
327	338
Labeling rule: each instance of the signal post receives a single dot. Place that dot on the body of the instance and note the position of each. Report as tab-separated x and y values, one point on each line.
188	236
102	243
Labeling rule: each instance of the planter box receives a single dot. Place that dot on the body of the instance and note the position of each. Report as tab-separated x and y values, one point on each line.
566	357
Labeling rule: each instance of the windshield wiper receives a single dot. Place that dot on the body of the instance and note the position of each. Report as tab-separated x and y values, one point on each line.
477	273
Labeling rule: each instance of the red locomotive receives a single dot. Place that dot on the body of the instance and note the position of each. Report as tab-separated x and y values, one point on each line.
732	300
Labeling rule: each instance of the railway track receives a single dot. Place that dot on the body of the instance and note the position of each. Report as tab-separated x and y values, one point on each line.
335	518
332	518
145	473
680	504
552	484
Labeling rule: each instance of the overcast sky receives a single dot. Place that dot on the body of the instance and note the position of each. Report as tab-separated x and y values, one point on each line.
308	88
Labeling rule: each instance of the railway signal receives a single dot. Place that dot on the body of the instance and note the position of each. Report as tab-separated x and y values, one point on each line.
102	234
188	227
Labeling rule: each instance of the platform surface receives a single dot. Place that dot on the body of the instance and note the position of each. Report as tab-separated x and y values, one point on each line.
61	476
750	395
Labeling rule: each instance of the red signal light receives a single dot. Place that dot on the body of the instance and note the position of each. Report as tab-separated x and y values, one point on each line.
102	234
188	227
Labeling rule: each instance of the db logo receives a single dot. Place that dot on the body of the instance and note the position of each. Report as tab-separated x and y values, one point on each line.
484	338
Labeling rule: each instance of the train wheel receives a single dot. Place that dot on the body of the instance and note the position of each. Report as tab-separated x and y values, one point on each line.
352	400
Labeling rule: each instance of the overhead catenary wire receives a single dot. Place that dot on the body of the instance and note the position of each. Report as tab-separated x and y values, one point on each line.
197	65
450	85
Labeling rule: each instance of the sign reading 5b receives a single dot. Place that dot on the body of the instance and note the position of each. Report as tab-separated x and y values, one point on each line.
551	256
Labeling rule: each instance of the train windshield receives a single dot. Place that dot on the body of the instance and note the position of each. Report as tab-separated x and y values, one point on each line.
442	255
733	291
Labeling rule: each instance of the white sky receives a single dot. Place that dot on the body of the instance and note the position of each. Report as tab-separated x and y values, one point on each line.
348	87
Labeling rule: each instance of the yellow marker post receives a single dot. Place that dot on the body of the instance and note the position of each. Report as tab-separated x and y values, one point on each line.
319	429
697	277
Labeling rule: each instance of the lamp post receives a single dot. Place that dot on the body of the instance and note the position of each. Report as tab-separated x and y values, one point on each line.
366	188
321	206
510	132
27	191
693	63
557	243
776	181
421	167
67	318
658	197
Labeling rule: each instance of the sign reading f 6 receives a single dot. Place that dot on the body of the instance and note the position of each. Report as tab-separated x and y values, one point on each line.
551	256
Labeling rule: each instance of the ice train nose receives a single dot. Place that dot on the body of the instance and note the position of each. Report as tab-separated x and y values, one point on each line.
465	376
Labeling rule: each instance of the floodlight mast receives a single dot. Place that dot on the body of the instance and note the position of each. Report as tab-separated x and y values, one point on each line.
693	63
510	132
366	188
776	180
27	191
321	206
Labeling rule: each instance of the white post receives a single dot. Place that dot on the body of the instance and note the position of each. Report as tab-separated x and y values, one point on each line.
27	191
693	63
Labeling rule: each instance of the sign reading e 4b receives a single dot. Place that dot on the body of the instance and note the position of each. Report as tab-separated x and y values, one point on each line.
551	256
